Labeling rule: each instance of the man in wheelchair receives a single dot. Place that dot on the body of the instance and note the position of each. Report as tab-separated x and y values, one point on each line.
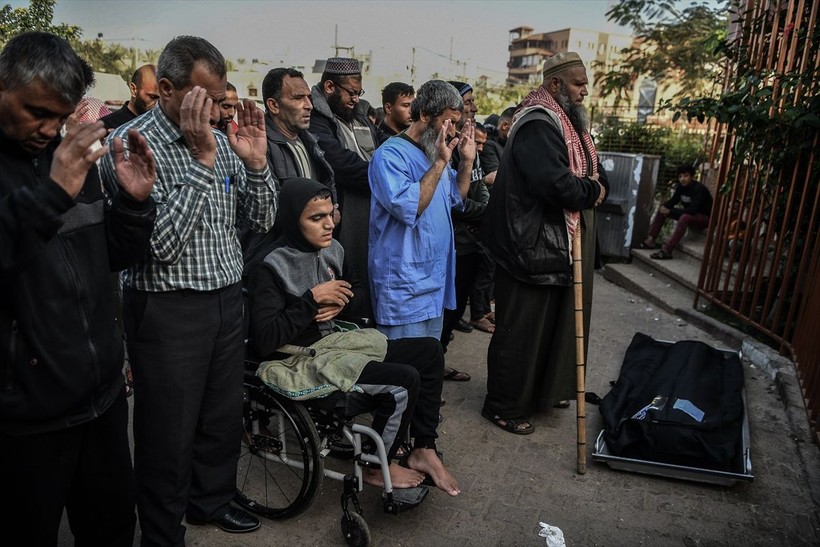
295	293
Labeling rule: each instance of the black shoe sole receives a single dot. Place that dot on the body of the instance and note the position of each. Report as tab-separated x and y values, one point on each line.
224	529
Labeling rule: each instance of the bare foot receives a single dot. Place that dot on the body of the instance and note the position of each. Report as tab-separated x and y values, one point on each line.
401	477
427	461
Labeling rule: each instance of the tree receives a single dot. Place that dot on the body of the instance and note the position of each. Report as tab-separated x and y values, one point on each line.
672	46
494	99
110	58
38	16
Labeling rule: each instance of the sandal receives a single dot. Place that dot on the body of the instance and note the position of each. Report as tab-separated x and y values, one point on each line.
561	404
510	425
484	325
661	255
490	317
456	375
643	246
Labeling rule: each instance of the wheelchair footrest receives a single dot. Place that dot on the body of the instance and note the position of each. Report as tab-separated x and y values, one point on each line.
404	499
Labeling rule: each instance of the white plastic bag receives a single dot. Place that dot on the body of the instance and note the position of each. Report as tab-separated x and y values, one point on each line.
554	535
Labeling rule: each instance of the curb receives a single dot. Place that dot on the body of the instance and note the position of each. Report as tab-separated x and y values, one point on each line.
782	372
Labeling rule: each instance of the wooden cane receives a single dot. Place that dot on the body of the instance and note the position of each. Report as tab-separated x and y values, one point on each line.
580	403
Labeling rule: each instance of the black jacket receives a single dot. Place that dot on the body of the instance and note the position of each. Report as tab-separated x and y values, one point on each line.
118	117
283	164
280	302
524	228
467	221
694	197
350	170
61	353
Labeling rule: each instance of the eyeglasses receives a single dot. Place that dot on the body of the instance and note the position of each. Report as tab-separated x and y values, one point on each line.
352	93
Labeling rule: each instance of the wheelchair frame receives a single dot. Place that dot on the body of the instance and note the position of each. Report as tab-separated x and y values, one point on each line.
281	467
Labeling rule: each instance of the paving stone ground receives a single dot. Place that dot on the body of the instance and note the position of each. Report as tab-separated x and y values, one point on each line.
511	483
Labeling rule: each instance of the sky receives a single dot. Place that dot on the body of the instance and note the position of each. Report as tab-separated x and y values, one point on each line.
473	33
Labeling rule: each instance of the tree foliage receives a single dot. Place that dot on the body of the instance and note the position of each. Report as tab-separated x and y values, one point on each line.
762	105
495	99
39	16
675	146
673	46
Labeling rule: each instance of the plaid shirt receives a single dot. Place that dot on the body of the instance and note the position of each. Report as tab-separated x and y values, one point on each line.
194	244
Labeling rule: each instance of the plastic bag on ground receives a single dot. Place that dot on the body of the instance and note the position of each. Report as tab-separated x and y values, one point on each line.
554	535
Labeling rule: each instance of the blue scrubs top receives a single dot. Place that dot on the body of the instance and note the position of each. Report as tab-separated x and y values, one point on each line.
411	257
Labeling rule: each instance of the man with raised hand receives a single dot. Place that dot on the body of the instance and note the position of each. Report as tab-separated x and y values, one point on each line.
182	303
63	413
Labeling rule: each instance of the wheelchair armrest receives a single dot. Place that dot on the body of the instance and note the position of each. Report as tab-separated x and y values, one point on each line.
290	349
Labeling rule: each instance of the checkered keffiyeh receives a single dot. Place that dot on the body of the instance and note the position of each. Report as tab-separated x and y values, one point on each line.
96	110
194	244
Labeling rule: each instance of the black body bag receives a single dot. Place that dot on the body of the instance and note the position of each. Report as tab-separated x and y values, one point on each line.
676	403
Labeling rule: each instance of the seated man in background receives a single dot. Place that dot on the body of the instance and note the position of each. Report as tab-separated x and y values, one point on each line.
297	291
696	205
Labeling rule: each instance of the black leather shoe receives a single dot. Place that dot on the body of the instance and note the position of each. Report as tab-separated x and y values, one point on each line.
463	326
235	521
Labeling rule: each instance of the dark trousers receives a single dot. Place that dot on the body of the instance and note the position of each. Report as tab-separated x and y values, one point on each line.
85	469
482	293
683	223
391	392
186	352
426	356
466	267
525	324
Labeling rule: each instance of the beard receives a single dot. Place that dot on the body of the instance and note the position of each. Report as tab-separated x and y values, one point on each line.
338	107
577	113
428	141
223	123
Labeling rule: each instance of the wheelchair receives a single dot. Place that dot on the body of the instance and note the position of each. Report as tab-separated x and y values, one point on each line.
284	444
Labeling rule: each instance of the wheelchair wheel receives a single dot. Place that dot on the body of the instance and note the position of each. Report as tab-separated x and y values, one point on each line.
355	530
280	467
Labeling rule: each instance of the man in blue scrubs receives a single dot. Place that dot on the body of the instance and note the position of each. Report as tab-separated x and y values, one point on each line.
411	252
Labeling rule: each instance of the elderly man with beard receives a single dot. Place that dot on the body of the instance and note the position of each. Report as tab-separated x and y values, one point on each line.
412	257
348	137
547	187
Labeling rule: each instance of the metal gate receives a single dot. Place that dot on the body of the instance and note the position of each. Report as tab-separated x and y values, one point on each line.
761	261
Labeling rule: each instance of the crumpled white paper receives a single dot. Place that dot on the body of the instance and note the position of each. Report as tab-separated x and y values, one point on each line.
554	535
